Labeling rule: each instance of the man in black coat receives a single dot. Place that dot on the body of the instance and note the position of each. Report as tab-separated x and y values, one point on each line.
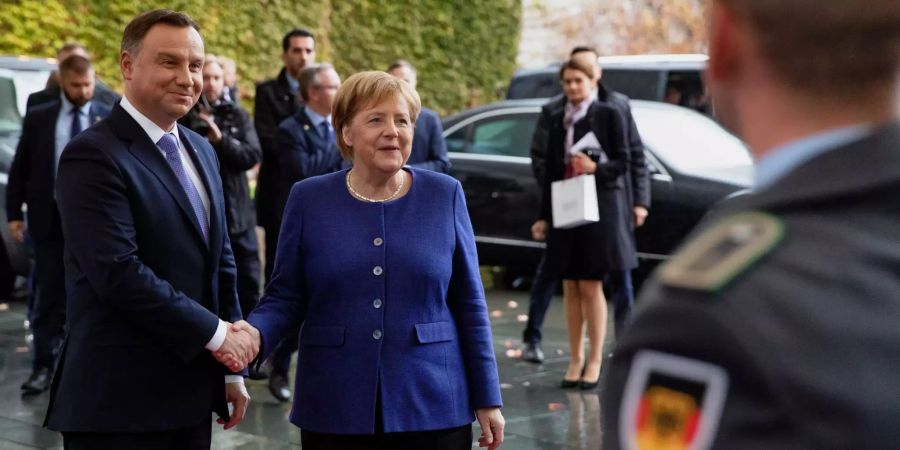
229	130
775	325
102	93
276	100
46	130
637	185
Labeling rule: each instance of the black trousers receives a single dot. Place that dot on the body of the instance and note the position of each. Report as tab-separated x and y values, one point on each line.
48	313
459	438
245	246
449	439
196	437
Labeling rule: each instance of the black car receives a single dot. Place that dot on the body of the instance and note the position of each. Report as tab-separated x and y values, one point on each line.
19	77
693	161
677	79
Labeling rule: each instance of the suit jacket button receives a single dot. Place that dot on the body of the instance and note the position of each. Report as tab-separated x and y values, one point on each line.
377	303
376	334
378	242
377	270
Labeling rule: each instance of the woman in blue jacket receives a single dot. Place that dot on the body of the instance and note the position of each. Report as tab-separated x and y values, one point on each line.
379	265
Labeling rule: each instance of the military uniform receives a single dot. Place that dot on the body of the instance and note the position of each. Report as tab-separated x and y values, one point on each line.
778	325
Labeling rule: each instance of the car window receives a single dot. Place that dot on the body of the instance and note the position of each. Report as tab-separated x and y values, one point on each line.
507	136
534	85
456	142
687	140
10	120
636	84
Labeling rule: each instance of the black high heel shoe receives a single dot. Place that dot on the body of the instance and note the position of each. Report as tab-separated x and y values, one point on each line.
588	385
569	384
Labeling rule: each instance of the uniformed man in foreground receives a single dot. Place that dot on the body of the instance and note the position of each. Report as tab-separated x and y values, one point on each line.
777	326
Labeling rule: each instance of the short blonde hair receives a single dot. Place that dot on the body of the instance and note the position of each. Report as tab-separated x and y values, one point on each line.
827	47
362	90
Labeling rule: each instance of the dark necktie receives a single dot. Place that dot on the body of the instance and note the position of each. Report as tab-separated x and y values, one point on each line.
169	145
326	131
76	123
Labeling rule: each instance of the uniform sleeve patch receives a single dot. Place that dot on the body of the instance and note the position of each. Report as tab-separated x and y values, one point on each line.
671	403
716	257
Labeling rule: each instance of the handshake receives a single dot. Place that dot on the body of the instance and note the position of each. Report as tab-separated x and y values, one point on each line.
241	346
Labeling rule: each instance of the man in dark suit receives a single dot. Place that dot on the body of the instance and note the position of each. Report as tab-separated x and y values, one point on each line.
637	184
150	274
429	150
102	93
775	325
45	131
308	148
275	101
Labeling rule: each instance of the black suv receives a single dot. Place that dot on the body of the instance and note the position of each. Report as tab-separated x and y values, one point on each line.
676	79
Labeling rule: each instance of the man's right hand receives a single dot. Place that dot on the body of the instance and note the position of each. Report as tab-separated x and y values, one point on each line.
17	230
242	342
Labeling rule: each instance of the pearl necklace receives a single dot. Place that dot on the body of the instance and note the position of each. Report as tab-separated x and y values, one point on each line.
372	200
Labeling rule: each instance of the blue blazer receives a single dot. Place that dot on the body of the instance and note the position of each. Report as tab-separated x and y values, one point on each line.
32	176
389	296
429	150
145	292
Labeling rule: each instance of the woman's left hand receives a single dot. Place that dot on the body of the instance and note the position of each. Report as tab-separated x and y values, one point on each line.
583	163
492	425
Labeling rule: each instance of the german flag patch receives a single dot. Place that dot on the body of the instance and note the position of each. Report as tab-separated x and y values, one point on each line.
671	403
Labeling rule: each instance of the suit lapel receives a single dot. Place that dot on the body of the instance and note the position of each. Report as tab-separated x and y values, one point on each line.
151	157
204	169
50	148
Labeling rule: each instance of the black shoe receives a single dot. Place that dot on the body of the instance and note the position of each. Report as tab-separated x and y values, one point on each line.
588	385
279	387
38	382
533	353
260	371
569	384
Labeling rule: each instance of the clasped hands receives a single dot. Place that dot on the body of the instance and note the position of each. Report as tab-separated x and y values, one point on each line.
241	346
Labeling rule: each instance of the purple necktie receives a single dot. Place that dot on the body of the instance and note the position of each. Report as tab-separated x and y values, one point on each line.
169	145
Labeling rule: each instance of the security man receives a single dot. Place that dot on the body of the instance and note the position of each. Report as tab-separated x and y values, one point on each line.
776	325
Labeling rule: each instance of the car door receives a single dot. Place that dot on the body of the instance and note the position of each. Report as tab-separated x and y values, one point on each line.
490	156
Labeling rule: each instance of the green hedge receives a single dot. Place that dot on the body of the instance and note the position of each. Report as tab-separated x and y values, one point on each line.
465	51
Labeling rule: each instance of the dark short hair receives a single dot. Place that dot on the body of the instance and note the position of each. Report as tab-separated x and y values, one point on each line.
76	64
574	64
307	78
69	46
833	48
138	28
296	32
583	48
401	63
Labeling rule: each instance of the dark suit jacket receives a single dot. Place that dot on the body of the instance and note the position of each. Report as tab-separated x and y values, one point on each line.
615	231
274	102
807	334
638	182
304	153
33	172
145	292
102	94
429	151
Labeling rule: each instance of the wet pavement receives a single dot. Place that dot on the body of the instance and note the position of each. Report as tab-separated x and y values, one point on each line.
539	414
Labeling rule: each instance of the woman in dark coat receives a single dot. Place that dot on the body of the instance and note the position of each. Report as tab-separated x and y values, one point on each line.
582	255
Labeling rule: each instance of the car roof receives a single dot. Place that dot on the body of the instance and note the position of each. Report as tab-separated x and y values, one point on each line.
536	103
688	61
27	63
